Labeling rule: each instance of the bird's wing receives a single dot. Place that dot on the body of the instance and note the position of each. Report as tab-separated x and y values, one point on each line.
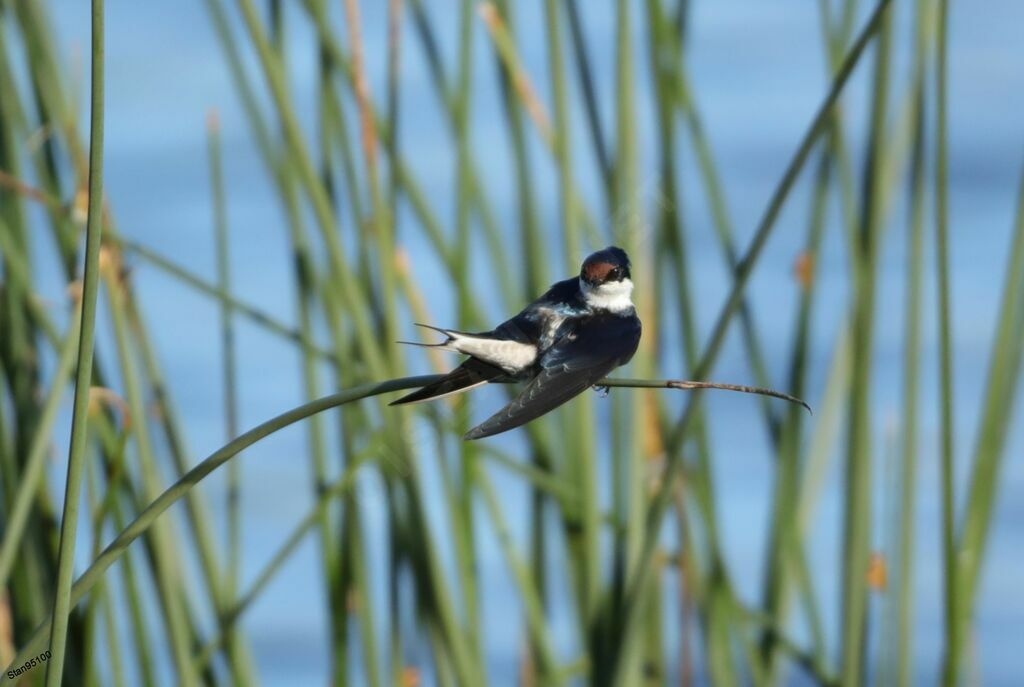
568	368
466	376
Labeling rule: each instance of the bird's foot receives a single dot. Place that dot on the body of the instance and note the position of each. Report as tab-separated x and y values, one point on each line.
602	391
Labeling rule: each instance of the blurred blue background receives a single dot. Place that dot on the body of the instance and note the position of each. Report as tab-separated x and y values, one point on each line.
759	75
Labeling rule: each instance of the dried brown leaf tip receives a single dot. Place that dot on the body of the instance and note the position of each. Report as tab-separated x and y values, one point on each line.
803	269
402	261
411	677
213	121
878	572
112	265
654	445
352	601
74	290
108	263
80	206
101	396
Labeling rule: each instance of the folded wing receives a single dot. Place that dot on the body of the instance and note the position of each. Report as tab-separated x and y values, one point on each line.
466	376
578	360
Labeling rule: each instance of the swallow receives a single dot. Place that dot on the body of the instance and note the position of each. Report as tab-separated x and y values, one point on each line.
561	344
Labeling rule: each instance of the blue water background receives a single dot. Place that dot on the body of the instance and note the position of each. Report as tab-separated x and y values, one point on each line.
759	76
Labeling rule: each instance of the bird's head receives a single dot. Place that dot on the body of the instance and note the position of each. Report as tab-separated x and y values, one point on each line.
608	265
605	280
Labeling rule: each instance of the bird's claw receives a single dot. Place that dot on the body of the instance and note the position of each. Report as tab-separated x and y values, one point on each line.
602	391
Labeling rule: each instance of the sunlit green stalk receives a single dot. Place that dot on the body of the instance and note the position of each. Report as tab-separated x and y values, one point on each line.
17	513
858	510
947	420
341	487
663	497
349	289
997	417
233	572
167	566
590	98
785	547
462	505
536	623
83	378
911	380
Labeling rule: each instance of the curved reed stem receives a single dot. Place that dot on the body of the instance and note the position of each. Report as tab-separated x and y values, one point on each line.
179	489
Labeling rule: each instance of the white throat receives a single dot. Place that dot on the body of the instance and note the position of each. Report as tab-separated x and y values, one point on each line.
612	296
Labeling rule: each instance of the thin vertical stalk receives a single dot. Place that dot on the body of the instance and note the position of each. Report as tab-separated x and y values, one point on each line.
563	136
951	666
785	546
232	574
580	435
530	238
467	454
32	470
462	500
672	233
904	587
382	224
227	335
533	281
1002	384
334	549
858	510
590	99
630	430
113	445
364	596
339	489
199	520
723	225
83	376
535	621
662	499
342	279
166	564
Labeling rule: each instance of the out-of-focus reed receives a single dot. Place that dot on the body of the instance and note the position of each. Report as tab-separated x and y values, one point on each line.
343	187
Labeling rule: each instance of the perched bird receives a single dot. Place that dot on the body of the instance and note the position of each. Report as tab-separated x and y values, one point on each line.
581	329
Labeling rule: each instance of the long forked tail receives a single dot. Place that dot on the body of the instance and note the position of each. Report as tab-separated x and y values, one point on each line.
450	336
466	376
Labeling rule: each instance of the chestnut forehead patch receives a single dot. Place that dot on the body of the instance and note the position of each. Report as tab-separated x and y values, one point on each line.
598	271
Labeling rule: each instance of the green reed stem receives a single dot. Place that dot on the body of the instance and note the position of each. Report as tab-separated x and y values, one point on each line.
536	623
231	615
233	571
744	268
912	370
535	264
183	486
951	666
721	217
83	378
586	80
188	481
166	564
858	511
17	514
342	278
1001	392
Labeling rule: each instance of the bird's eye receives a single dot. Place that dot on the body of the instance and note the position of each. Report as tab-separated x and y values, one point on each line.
615	274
